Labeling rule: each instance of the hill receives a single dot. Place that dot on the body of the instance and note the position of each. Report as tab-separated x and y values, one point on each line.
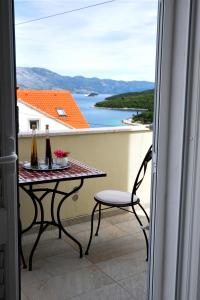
40	78
137	100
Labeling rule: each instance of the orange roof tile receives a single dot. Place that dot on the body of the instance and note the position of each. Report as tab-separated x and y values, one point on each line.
47	101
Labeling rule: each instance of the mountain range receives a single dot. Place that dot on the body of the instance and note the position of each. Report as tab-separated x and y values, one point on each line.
44	79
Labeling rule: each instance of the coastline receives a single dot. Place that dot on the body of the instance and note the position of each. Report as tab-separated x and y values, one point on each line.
120	108
103	117
129	122
125	121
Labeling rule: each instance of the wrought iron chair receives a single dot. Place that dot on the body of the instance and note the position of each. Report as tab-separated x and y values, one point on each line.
122	200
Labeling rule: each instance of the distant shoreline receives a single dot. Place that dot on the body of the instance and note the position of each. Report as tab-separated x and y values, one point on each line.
127	121
101	117
120	108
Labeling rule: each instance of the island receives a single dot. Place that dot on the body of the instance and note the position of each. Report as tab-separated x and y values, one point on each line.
141	102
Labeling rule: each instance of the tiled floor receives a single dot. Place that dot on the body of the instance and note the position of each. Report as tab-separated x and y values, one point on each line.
115	269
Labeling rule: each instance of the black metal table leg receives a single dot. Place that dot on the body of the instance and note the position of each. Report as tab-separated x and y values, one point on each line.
37	201
29	192
39	235
59	219
52	207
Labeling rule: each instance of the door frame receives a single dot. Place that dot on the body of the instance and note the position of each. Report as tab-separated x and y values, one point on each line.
8	167
174	231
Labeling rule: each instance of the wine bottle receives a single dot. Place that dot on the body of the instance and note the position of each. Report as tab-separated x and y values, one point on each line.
48	155
34	158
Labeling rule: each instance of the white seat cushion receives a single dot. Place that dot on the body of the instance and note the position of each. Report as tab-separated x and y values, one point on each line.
115	197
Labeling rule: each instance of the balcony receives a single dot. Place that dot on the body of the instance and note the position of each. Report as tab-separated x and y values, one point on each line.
116	266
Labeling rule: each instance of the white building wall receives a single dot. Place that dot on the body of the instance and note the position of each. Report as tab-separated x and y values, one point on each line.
26	114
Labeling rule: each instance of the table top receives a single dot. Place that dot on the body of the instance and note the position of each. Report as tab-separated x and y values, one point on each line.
76	170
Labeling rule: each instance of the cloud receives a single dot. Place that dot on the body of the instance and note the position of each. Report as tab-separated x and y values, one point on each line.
116	40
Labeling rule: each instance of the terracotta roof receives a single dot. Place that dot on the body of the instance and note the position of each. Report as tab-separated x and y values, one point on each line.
48	101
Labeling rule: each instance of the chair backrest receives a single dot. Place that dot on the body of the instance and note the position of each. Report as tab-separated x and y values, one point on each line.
142	171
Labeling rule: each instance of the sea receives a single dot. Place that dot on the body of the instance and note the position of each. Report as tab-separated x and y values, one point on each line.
101	117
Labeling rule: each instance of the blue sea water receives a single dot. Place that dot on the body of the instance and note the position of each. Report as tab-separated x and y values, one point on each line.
99	117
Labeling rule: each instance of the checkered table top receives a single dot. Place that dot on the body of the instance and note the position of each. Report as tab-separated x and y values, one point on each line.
76	170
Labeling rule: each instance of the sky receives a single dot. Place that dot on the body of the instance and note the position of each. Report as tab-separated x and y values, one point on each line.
116	40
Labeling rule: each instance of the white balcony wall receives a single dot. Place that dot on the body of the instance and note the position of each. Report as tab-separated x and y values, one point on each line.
119	152
27	114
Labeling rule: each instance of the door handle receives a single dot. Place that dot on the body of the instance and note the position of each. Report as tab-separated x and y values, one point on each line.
8	159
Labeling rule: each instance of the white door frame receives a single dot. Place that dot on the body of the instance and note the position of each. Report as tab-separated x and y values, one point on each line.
9	259
175	226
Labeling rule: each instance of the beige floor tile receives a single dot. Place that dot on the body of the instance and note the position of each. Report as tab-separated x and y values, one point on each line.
114	269
109	292
122	217
136	285
125	217
69	261
29	239
23	297
34	278
130	226
122	267
107	232
47	248
116	248
76	228
70	284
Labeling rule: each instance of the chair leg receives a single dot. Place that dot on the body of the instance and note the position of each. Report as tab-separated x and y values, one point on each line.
91	232
140	205
99	220
144	232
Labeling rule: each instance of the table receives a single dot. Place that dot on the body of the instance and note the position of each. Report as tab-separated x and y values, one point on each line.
29	181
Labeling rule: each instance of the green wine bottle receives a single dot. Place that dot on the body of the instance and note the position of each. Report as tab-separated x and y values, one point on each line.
48	155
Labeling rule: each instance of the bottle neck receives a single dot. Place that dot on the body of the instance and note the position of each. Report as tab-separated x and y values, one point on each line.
33	132
47	133
34	159
48	155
